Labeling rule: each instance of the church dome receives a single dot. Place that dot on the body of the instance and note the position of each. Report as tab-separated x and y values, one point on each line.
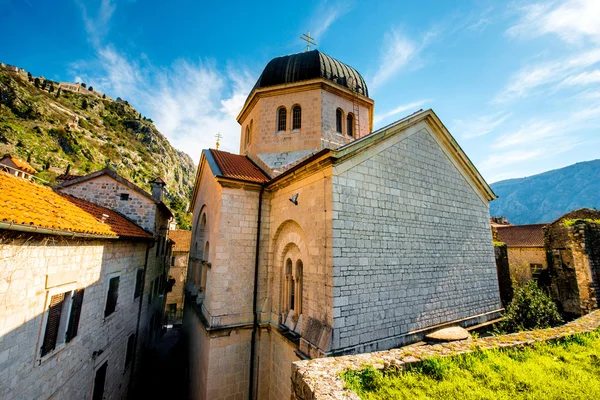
311	65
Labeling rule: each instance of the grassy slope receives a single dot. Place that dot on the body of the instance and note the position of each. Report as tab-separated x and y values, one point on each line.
566	369
85	132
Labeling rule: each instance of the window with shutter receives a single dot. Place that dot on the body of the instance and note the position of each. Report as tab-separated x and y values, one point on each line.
111	297
139	279
76	304
52	323
99	382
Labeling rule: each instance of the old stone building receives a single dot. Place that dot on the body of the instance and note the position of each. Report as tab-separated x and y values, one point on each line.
324	238
573	246
82	291
526	252
177	273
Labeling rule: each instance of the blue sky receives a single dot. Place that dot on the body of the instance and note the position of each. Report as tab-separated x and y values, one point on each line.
517	83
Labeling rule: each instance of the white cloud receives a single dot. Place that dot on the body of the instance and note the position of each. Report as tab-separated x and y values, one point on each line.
571	20
189	102
397	52
414	106
539	76
97	26
479	126
584	78
326	13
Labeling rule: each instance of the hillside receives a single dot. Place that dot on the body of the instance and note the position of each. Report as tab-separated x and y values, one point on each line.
60	127
547	196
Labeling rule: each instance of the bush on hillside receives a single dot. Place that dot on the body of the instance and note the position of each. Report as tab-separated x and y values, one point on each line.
530	308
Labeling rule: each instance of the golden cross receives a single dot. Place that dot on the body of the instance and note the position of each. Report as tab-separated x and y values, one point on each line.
308	39
219	137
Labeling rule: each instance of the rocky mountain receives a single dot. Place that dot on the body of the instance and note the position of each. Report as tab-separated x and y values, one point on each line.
545	197
61	127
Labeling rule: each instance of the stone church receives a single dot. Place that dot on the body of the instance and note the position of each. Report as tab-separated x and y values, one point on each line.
324	237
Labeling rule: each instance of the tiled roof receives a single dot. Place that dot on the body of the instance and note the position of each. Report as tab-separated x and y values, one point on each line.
23	165
182	239
65	177
238	167
26	203
522	235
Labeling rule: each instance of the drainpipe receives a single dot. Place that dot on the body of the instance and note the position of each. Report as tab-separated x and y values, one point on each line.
137	327
255	299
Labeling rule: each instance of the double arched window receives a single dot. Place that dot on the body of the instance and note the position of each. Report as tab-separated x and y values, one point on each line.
281	119
339	115
350	125
296	117
292	286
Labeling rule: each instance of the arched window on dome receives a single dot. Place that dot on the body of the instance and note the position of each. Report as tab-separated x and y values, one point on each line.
296	117
350	125
339	116
281	119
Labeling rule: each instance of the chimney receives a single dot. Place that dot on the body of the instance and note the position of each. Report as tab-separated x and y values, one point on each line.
158	186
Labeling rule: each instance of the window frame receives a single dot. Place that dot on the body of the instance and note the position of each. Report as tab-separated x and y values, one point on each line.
58	346
278	119
296	118
109	278
350	125
339	122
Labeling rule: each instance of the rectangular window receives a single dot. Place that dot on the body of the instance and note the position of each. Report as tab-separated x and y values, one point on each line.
99	382
536	270
172	261
124	196
139	279
112	296
62	321
130	350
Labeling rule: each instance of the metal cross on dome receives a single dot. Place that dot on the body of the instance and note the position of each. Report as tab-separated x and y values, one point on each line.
308	39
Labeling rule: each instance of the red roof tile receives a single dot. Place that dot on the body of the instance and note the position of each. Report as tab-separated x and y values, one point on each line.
26	203
182	239
522	235
238	167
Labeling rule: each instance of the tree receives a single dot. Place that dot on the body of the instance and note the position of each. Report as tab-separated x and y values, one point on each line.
28	157
84	104
104	96
91	88
51	90
83	84
68	169
37	82
44	84
29	77
58	93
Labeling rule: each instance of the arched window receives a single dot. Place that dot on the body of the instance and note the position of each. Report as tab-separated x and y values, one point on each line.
338	120
298	283
350	124
281	119
288	285
296	117
197	266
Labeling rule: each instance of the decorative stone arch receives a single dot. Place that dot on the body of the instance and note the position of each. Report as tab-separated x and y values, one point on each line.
289	242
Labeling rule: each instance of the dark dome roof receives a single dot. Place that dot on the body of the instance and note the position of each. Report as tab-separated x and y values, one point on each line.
310	65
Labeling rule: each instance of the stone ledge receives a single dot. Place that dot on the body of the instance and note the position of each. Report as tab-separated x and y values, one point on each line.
320	379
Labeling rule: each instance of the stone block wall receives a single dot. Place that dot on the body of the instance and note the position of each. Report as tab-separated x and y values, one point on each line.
178	271
106	191
520	259
32	268
330	102
412	245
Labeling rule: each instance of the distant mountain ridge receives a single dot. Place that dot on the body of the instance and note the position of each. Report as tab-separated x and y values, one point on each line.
71	128
546	196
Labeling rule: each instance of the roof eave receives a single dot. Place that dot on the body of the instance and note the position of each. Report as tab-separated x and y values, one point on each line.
12	226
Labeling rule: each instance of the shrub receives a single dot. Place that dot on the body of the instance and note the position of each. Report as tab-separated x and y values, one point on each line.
531	308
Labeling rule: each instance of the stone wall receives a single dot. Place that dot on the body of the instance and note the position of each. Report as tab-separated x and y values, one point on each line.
106	191
412	245
321	380
32	269
178	271
503	271
521	258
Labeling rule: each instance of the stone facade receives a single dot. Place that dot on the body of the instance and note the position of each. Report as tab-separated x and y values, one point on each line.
35	267
107	192
407	254
178	272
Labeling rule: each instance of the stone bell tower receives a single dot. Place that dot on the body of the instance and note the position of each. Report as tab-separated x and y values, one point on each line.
300	104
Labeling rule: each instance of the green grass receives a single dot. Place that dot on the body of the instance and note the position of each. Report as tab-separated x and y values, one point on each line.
564	369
